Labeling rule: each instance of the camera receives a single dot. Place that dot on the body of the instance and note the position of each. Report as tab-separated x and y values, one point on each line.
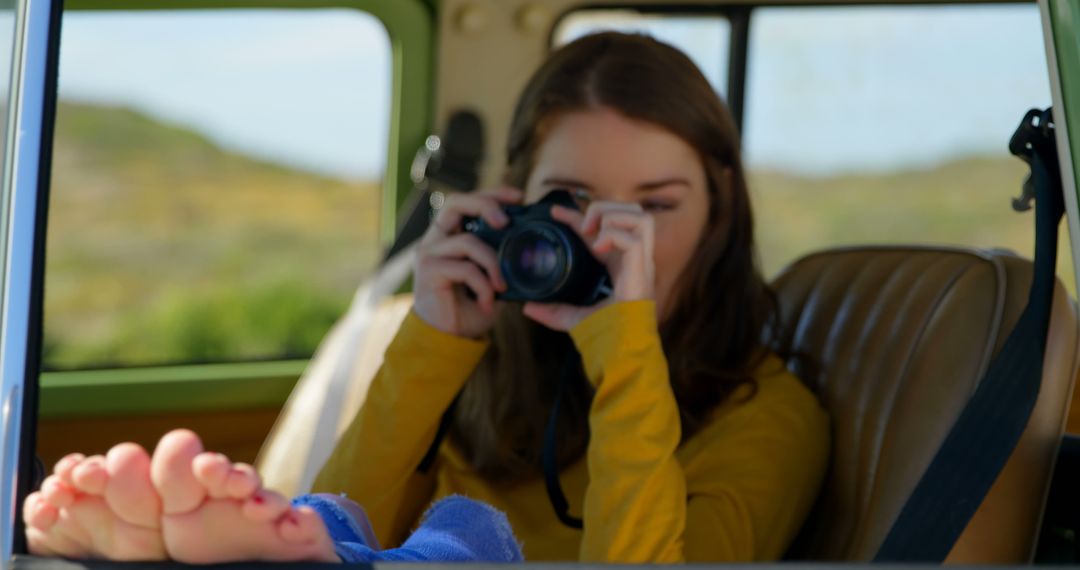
543	259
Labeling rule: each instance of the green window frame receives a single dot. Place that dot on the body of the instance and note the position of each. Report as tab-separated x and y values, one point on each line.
410	25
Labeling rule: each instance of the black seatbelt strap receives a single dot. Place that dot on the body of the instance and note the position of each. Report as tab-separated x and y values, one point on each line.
451	162
984	436
549	459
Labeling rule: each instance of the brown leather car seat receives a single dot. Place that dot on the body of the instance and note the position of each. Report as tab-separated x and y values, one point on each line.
896	340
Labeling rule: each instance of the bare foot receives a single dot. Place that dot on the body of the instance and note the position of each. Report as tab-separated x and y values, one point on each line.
97	507
217	511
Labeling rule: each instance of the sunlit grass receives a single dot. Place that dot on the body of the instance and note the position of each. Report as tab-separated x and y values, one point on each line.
965	202
164	248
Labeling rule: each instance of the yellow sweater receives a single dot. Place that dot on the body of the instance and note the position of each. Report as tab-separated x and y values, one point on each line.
737	490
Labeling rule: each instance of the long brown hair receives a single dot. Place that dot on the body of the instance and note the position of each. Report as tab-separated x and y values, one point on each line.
714	334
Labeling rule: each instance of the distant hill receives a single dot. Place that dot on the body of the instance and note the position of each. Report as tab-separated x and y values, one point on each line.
154	230
965	202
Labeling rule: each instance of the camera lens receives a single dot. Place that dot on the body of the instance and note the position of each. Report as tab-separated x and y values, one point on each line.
534	260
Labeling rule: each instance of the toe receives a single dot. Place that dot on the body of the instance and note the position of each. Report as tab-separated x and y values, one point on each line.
303	527
90	475
39	513
243	481
57	492
212	470
129	492
265	506
57	544
66	465
172	474
37	541
290	528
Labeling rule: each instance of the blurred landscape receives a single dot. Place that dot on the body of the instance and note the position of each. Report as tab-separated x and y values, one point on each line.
164	248
964	202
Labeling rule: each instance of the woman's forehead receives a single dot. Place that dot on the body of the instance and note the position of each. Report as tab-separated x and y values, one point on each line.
601	147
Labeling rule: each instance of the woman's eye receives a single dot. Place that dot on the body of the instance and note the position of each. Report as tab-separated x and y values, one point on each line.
657	206
582	198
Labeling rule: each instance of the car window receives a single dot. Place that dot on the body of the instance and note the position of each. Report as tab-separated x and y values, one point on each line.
890	124
216	183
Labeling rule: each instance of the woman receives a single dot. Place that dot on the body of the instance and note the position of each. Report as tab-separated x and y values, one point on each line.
684	438
680	436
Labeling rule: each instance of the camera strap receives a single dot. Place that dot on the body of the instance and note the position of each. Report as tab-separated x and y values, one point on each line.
549	458
440	434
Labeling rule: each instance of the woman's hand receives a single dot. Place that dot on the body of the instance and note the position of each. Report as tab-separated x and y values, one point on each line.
620	235
451	264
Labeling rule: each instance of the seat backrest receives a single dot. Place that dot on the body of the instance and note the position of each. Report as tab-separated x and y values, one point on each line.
334	385
897	339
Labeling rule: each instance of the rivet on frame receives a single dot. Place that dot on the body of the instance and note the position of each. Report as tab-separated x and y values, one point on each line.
532	18
471	19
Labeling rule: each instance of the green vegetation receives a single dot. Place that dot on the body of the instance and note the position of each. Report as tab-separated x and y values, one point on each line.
964	202
165	248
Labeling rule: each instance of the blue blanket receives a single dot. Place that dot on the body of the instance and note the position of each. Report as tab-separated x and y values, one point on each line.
454	529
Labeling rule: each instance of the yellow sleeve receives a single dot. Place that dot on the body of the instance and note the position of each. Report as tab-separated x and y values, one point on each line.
635	504
752	474
375	461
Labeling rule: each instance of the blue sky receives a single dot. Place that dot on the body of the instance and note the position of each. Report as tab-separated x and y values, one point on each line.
308	88
829	89
893	87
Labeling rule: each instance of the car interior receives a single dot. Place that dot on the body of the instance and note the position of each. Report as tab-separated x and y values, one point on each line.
877	138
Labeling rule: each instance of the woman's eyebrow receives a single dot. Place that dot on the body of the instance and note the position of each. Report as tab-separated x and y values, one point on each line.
657	184
568	182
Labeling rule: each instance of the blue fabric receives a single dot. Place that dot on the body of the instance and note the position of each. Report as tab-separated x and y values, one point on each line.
454	529
354	541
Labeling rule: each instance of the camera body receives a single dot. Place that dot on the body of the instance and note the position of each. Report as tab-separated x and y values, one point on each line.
542	259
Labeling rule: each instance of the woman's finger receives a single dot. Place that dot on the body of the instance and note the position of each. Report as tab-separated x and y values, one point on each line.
627	218
487	205
468	246
629	221
555	316
599	210
453	272
612	238
568	216
641	225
